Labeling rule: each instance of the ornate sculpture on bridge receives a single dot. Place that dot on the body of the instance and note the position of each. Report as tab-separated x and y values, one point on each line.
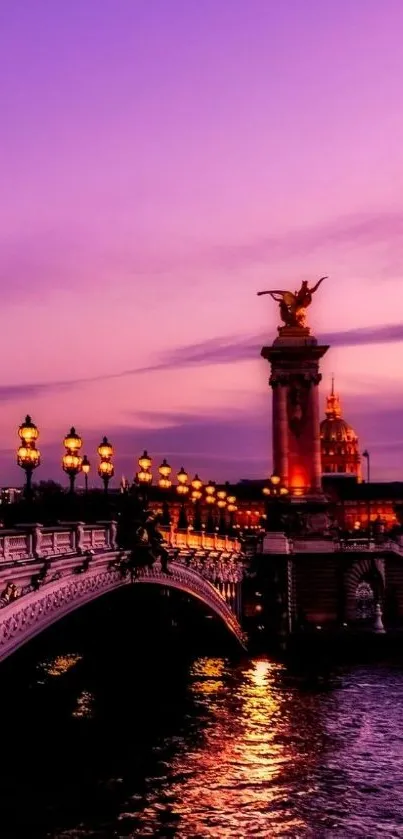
293	306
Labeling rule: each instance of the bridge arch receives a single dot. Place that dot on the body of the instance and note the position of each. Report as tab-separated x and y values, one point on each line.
366	570
31	614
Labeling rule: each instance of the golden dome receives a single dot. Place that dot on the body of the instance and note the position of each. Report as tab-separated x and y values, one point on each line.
339	442
337	429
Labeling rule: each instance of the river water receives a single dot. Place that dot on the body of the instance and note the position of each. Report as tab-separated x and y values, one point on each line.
119	740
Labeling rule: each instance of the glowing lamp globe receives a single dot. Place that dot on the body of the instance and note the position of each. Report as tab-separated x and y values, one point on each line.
144	476
72	441
275	480
28	431
28	458
145	461
221	495
105	469
71	463
197	483
182	489
105	449
182	476
164	483
85	465
165	470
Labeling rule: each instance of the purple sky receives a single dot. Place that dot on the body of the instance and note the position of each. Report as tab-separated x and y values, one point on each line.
161	161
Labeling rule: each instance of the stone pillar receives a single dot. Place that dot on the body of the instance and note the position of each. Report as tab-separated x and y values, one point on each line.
294	360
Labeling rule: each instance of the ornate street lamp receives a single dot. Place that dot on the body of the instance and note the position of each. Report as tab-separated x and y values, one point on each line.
197	485
273	492
165	470
105	468
28	456
367	456
232	509
144	475
183	490
71	460
85	467
210	499
165	484
221	504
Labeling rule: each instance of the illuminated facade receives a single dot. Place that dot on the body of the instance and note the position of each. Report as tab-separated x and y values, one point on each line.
339	444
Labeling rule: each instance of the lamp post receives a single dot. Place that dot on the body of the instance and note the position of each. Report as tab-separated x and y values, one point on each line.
144	476
105	468
165	484
85	467
28	456
368	459
273	492
366	454
71	460
183	490
232	509
210	498
221	504
197	485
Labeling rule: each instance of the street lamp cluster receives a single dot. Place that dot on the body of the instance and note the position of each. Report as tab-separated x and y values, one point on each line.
28	456
187	490
193	494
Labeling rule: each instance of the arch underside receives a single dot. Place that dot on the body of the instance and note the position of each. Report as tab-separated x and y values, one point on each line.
366	569
30	615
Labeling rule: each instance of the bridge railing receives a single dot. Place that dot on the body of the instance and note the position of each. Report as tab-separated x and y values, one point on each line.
27	541
200	539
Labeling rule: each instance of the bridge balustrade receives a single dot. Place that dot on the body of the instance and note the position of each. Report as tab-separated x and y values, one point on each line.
29	541
200	539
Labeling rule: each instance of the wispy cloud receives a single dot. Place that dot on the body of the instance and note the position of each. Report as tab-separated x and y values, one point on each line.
349	231
220	350
54	257
232	349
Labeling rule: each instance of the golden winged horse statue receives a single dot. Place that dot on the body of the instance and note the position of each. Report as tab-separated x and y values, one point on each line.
293	306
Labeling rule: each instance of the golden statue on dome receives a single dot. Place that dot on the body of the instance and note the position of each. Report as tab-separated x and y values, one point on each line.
293	306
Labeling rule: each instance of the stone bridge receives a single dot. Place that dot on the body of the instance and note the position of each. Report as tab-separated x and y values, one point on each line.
47	573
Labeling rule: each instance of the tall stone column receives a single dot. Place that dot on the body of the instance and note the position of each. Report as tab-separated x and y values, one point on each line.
294	360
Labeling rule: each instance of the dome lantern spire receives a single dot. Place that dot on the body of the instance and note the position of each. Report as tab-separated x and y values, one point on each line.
333	407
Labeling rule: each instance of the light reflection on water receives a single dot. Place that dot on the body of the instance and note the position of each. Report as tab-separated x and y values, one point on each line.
223	750
58	665
262	759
